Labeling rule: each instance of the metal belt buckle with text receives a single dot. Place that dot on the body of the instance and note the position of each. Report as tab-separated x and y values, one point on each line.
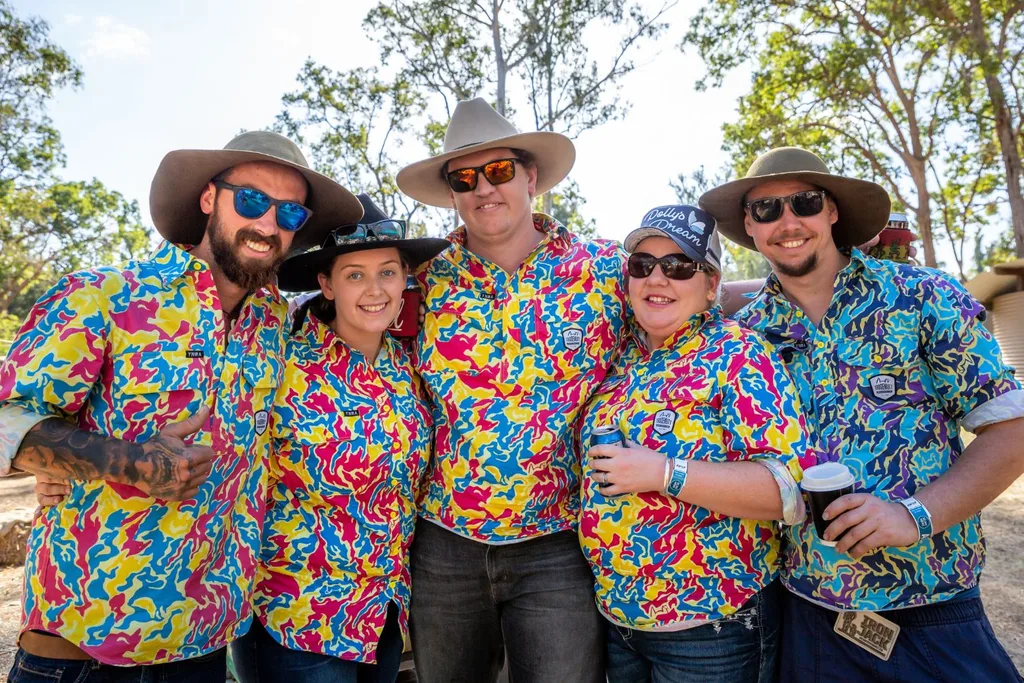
868	631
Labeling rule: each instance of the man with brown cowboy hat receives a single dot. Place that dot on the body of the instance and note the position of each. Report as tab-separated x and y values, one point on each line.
523	321
145	389
891	361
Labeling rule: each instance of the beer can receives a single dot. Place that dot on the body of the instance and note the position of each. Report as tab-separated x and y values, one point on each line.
603	436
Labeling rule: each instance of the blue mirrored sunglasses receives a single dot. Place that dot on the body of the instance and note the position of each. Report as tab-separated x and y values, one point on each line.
251	203
390	229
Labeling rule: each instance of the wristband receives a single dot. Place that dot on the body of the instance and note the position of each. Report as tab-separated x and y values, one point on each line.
670	464
678	479
921	516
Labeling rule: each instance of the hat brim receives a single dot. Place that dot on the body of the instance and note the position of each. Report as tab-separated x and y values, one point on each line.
863	206
183	175
555	155
299	273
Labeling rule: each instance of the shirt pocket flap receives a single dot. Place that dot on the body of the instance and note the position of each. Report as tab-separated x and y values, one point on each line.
152	372
261	372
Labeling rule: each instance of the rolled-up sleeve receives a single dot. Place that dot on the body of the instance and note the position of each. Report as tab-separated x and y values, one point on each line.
55	360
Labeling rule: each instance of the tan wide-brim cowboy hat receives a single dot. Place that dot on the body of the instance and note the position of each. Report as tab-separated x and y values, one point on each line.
476	126
183	175
863	206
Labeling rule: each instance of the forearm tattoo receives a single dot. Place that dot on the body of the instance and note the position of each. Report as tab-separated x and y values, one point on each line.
63	451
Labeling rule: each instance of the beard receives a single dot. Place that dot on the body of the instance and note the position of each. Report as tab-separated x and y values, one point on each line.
245	273
800	269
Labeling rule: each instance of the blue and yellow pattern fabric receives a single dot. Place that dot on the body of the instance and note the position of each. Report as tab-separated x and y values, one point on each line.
509	360
712	392
351	443
899	359
125	352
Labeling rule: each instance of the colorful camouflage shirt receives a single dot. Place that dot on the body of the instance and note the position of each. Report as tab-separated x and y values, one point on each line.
351	441
509	360
714	392
125	352
886	380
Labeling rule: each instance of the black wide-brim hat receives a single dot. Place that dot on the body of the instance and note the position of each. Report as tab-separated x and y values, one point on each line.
299	273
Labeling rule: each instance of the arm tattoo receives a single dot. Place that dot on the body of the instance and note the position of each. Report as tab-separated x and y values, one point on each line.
61	450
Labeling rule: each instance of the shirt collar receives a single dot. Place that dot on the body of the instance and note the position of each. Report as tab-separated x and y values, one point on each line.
690	327
172	261
322	338
555	235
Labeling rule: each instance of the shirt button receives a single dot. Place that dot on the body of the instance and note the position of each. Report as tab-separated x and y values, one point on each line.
820	344
823	382
877	358
197	266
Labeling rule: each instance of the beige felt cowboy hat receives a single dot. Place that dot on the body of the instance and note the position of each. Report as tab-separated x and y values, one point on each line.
476	126
183	175
863	206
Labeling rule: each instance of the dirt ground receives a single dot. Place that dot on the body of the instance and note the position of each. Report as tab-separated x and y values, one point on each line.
1002	586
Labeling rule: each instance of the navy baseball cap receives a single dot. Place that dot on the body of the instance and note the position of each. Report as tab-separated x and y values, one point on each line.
692	229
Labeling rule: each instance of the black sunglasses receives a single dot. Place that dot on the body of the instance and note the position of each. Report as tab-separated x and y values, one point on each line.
389	229
803	204
252	203
497	172
674	266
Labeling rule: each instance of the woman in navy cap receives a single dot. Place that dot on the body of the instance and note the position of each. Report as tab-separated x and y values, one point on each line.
679	523
351	441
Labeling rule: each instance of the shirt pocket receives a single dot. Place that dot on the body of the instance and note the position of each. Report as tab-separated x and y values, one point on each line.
565	340
882	374
459	337
261	375
679	421
151	389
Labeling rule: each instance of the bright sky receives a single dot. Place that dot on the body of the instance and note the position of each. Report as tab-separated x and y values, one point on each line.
193	73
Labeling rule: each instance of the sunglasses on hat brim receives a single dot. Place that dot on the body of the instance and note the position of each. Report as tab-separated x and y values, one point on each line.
252	203
390	229
497	172
802	204
674	266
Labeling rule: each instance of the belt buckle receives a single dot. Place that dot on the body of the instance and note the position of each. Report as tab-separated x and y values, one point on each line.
868	631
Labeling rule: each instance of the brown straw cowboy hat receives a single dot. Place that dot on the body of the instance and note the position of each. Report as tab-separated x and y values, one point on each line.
183	175
863	206
476	126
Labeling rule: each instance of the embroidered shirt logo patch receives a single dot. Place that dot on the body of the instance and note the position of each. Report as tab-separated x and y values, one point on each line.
664	421
260	420
572	337
883	387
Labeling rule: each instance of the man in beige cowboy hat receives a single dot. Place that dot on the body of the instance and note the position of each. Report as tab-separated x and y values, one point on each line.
145	389
523	320
892	362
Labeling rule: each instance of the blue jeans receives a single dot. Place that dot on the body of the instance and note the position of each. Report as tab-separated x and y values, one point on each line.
32	669
947	641
738	649
473	603
258	658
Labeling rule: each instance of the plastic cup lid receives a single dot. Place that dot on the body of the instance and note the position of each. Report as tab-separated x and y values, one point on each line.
827	476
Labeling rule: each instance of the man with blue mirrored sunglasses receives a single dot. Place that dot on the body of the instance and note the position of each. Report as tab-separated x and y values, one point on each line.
146	389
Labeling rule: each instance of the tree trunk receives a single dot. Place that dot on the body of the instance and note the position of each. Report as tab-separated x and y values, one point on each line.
499	57
1004	125
923	211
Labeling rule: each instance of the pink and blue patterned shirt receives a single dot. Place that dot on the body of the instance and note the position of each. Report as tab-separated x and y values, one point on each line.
125	352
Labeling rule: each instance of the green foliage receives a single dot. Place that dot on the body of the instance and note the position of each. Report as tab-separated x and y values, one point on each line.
32	69
353	121
566	208
873	87
47	226
9	326
58	229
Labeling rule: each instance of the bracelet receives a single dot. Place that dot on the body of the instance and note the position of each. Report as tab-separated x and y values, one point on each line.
670	464
921	516
675	485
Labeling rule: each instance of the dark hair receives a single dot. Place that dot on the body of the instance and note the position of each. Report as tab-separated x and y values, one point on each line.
527	159
322	307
